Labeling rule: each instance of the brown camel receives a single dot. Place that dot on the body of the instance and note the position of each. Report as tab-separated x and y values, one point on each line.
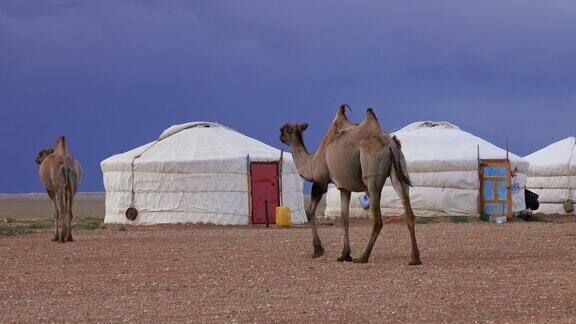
356	158
60	173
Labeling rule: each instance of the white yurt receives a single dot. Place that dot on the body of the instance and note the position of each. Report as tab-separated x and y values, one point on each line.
202	172
552	175
443	164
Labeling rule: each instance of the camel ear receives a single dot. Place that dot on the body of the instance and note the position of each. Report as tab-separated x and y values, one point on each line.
303	127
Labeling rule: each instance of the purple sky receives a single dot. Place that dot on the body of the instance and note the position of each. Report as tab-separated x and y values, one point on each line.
111	75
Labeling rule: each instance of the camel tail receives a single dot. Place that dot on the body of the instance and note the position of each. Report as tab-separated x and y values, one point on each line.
397	159
67	188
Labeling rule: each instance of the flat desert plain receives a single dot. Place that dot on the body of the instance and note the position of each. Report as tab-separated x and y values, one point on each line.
473	271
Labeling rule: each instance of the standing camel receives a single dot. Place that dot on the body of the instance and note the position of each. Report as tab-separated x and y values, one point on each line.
60	173
356	158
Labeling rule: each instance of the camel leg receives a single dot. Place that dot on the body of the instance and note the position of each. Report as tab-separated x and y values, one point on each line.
70	216
376	167
60	218
345	219
69	227
376	225
403	191
63	226
316	196
409	216
52	199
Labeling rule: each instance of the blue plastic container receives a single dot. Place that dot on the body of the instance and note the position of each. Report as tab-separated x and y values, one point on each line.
364	202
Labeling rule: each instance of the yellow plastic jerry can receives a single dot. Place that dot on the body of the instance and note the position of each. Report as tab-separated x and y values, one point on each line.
283	217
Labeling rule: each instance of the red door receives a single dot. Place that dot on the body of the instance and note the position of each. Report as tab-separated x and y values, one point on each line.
264	181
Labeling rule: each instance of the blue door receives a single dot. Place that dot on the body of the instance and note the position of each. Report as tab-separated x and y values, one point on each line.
495	191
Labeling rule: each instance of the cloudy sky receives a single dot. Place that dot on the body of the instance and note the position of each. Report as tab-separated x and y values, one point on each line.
111	75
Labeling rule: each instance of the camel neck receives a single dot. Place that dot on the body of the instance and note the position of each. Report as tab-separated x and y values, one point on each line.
303	160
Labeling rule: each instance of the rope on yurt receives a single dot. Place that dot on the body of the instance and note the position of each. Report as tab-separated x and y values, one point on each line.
132	212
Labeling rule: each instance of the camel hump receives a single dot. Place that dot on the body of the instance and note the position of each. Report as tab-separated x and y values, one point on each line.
370	121
63	151
340	116
61	146
341	121
342	109
371	114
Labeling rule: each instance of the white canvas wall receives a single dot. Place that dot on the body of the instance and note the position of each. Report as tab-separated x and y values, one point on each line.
552	175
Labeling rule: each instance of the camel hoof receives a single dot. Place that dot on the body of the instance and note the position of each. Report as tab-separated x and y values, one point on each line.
70	239
54	239
361	260
317	254
345	259
415	262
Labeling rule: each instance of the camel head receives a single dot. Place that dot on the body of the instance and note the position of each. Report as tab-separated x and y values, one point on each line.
43	154
291	131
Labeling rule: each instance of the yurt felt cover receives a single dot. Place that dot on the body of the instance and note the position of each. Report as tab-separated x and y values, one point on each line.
552	175
195	173
443	166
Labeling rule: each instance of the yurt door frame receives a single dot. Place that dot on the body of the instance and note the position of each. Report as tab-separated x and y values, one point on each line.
264	192
495	187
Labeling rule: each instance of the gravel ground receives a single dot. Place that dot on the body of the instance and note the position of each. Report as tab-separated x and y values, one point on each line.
472	272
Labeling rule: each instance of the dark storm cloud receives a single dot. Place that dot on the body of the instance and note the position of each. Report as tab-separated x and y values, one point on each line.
113	74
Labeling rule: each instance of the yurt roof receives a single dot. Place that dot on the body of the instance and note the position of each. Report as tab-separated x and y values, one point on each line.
199	141
442	146
555	159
